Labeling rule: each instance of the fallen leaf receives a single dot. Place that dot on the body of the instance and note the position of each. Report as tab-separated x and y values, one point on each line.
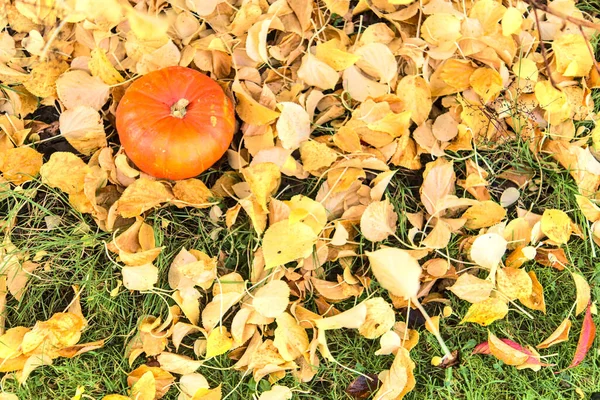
83	128
560	334
378	221
293	125
485	312
284	242
586	338
78	88
556	224
487	250
20	164
101	67
64	171
219	341
142	195
272	299
471	288
396	270
583	292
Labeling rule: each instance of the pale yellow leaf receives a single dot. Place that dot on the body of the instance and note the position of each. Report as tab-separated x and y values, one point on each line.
396	270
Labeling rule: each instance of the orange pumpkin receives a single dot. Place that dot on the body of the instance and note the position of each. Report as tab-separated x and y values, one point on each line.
175	123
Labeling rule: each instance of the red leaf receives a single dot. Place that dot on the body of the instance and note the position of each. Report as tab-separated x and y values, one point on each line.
586	337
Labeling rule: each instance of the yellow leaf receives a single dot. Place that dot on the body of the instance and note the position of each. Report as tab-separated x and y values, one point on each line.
64	171
145	387
556	224
583	292
589	209
219	342
396	270
315	72
277	392
272	299
293	125
192	192
514	283
486	312
142	277
142	195
78	88
414	91
572	55
487	83
339	7
308	211
483	215
249	110
10	342
61	330
504	352
42	78
101	67
20	164
511	21
441	28
316	156
290	338
396	124
380	318
264	179
333	54
116	397
399	380
560	334
284	242
208	394
535	300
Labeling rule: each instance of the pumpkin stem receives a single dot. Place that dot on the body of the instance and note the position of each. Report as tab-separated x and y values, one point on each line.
178	109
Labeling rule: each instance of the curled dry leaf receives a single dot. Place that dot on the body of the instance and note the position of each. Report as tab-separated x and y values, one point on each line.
560	334
583	292
78	88
142	195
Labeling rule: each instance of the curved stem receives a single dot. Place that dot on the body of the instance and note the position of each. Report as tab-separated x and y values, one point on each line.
178	109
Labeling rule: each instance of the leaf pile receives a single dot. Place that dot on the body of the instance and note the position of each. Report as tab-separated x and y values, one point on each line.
321	98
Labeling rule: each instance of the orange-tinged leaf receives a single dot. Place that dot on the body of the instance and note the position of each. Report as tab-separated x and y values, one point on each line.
535	300
487	83
250	110
483	215
586	337
142	195
486	311
20	164
192	192
514	283
560	334
583	292
149	383
504	352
